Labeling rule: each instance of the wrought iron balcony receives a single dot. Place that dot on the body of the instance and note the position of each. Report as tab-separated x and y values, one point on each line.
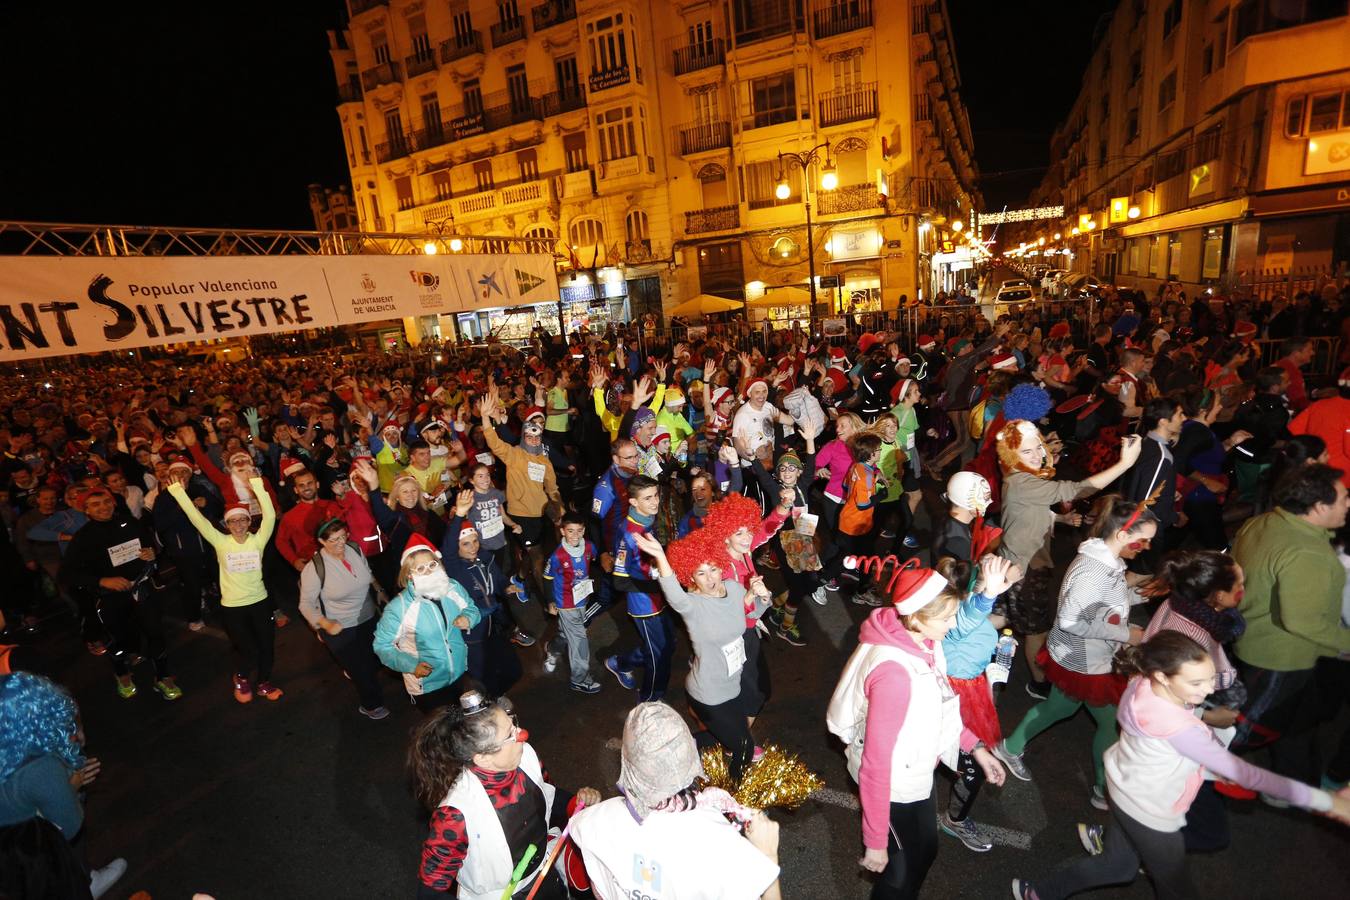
849	105
504	33
431	136
554	12
703	136
698	56
397	148
558	102
759	20
848	198
481	121
461	45
839	16
349	93
385	73
717	218
609	78
420	62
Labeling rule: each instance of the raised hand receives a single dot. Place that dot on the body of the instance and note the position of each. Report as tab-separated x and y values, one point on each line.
464	502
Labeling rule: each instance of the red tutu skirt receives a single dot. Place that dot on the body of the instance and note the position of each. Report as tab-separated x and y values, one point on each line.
1094	690
977	708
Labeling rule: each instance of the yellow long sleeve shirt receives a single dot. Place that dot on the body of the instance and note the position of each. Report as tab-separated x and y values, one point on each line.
241	562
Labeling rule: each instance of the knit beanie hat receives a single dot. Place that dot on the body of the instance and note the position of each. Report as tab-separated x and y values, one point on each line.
659	757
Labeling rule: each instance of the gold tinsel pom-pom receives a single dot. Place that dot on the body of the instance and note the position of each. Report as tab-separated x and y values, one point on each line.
779	779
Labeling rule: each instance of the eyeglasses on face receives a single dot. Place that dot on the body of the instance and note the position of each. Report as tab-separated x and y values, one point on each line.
426	568
336	537
512	736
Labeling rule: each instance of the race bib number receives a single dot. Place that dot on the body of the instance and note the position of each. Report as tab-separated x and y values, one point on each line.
734	654
996	674
909	441
484	458
582	589
536	472
596	505
620	559
490	528
806	523
125	552
243	561
652	468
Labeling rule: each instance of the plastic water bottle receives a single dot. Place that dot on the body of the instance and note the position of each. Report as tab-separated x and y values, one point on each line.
1007	647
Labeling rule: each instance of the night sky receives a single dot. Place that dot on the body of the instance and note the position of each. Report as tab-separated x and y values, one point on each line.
219	115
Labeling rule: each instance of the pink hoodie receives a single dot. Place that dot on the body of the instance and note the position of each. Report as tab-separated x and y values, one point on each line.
887	688
1157	789
836	457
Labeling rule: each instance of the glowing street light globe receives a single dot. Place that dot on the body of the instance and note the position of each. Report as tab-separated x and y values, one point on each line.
429	248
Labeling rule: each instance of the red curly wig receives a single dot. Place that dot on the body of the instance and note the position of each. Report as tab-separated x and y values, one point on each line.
730	514
690	552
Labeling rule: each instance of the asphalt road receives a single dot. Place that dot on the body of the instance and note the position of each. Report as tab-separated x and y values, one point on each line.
305	798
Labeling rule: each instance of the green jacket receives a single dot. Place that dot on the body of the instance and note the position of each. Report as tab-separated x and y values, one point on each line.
1292	602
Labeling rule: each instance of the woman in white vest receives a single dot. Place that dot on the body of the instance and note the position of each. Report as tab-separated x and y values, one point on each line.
470	762
898	716
1154	771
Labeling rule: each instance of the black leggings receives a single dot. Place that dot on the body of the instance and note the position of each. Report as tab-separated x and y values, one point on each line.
353	649
1126	843
251	631
912	845
727	723
969	780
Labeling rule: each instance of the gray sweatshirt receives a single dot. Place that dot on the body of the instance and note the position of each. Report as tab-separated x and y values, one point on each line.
346	594
716	628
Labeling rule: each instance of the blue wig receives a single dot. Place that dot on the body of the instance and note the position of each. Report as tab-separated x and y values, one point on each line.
39	718
1026	401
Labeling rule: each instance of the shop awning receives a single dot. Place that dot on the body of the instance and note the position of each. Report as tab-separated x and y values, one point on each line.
703	304
1195	217
787	296
1285	202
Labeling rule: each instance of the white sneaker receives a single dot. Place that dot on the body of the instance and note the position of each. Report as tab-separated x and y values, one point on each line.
550	662
819	596
102	879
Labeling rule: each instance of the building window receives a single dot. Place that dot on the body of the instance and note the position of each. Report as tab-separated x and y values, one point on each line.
431	115
381	47
1260	16
518	87
1293	117
529	164
850	159
706	110
421	43
720	269
393	128
565	70
1155	251
615	128
608	40
403	189
1171	164
482	175
1207	60
574	151
1211	254
508	12
713	179
1324	113
639	237
440	184
586	233
771	101
1167	91
1207	145
759	181
540	239
848	73
1132	125
1171	17
1174	255
463	25
473	98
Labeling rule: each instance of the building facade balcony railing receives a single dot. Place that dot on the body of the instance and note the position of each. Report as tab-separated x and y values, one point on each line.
601	80
397	148
923	108
717	218
851	104
848	198
760	20
461	45
385	73
554	12
493	200
492	118
349	93
839	16
698	56
504	33
703	136
919	25
431	136
420	62
558	102
360	6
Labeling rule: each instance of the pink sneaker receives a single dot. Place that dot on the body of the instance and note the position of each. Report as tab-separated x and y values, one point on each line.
758	754
268	690
243	691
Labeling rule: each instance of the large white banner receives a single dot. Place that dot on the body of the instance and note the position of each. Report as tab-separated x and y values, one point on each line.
53	306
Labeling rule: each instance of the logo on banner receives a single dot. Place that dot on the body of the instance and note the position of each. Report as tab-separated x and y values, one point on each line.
527	281
489	284
429	298
367	283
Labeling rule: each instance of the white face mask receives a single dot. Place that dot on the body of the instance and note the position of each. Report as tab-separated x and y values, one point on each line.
432	585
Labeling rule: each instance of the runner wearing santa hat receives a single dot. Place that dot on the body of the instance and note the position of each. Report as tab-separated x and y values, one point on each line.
243	594
421	632
897	714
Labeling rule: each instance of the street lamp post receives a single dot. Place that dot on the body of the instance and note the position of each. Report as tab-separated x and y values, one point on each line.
829	180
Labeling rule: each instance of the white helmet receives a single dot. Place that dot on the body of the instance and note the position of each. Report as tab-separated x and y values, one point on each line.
969	491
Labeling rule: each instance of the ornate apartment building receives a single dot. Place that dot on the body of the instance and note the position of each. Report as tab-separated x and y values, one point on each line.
1210	145
640	140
